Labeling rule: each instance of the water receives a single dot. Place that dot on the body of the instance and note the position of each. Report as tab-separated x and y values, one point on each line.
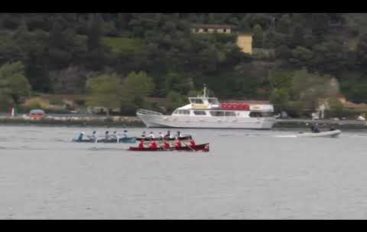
246	175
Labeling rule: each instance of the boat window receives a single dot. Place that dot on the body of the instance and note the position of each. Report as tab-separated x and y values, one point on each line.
255	114
196	101
199	112
213	101
230	113
260	114
217	113
183	112
267	114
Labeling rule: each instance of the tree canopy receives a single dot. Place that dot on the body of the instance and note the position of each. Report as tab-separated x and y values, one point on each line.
61	51
13	83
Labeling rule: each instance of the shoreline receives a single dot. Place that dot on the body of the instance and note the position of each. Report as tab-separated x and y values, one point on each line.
75	121
131	121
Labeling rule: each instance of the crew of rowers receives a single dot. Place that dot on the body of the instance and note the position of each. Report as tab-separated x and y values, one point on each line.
165	145
152	139
107	135
161	136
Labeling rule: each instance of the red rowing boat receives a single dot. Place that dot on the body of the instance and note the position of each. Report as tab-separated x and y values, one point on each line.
199	147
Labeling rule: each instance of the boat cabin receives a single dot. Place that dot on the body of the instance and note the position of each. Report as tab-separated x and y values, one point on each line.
211	107
203	102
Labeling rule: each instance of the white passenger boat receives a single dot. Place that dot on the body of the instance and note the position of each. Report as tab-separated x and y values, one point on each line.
208	112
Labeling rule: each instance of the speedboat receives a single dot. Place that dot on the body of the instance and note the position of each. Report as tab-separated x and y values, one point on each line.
330	134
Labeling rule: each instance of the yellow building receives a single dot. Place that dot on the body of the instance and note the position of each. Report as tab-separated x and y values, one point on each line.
244	41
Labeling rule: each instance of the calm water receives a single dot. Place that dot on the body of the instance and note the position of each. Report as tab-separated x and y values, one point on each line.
246	175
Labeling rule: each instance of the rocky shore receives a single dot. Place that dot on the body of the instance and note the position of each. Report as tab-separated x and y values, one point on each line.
76	120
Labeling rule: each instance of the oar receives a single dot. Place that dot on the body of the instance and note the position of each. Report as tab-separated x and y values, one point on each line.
189	146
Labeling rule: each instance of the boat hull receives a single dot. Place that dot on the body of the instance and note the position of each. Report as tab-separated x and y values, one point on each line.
163	121
331	134
199	147
326	134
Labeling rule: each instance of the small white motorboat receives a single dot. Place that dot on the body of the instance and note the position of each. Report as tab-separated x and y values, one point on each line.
330	134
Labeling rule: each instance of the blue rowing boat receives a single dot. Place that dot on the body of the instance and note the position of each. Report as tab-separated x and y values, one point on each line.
103	140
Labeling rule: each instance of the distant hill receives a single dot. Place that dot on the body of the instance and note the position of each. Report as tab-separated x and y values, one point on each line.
62	50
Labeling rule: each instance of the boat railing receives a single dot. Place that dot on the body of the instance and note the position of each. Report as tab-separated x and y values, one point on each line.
145	111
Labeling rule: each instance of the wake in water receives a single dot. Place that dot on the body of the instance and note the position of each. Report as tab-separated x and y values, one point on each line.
106	149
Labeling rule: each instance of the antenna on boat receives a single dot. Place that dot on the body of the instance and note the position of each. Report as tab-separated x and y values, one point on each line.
205	90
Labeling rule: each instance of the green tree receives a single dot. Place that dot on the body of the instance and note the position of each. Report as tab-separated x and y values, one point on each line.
96	56
177	82
104	91
258	36
310	87
280	82
336	107
362	50
284	24
175	100
136	87
280	98
13	83
58	47
301	56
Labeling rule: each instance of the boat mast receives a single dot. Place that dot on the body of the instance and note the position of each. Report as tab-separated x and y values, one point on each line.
205	90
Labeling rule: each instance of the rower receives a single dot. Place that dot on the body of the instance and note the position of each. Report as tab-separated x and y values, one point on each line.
80	137
178	134
114	135
107	135
93	136
125	134
168	135
151	135
153	144
178	143
165	144
314	128
141	144
192	142
160	135
143	134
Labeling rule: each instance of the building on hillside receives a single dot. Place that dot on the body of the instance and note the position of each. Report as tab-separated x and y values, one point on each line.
244	41
211	28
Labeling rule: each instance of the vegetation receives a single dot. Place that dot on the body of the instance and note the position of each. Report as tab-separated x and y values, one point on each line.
104	91
13	84
111	91
118	59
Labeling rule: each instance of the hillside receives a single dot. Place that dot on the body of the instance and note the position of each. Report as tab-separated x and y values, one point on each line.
61	51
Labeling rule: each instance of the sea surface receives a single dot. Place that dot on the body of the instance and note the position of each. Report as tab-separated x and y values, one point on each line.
247	174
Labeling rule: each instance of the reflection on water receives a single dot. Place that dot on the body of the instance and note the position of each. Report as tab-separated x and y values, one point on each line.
246	175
